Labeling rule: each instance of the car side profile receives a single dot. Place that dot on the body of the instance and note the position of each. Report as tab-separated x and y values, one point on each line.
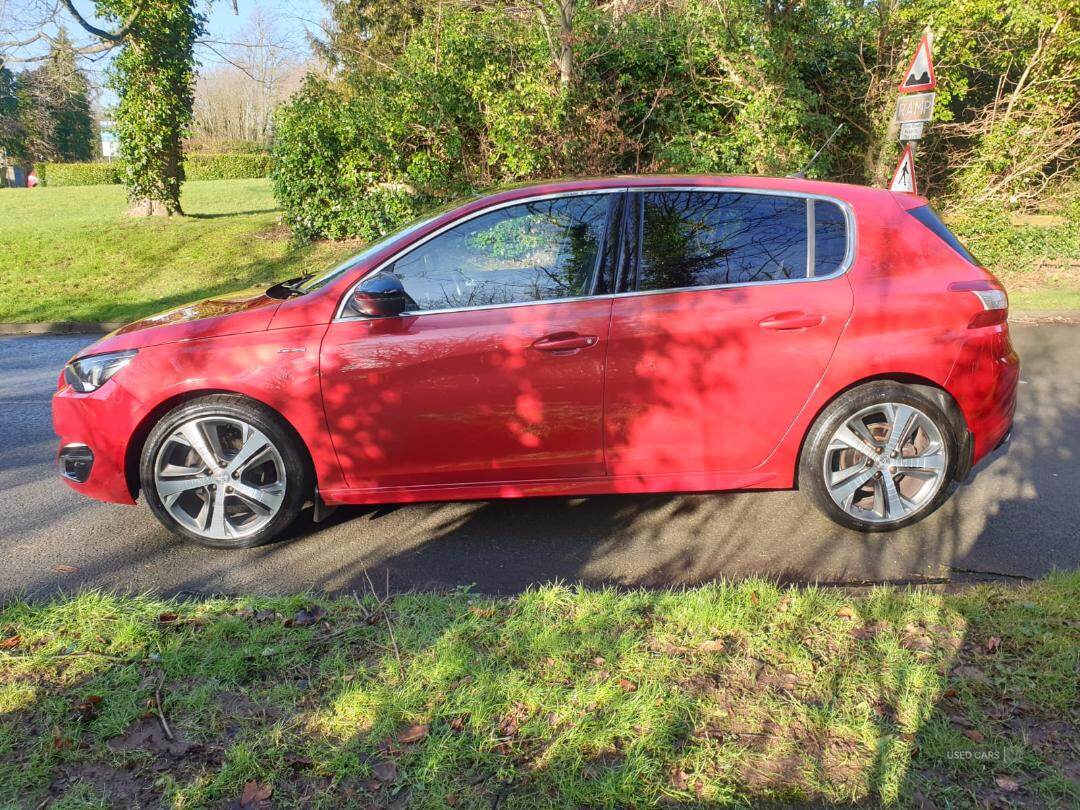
611	335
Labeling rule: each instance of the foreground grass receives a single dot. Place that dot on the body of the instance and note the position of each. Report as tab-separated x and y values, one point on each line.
71	254
728	694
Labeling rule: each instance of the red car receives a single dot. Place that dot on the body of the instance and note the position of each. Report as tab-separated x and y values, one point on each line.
616	335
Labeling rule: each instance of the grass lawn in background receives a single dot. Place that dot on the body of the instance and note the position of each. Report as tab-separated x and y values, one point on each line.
725	694
71	253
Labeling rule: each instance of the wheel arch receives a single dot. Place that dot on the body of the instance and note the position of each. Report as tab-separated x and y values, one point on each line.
934	390
133	453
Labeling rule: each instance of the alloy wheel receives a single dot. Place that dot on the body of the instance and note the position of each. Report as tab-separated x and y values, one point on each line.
885	462
220	477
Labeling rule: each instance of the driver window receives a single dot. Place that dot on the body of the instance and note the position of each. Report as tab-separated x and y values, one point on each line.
535	251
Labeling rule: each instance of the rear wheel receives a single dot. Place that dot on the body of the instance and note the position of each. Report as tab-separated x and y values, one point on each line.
224	471
880	457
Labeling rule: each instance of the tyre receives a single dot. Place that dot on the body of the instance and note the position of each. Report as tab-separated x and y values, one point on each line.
880	457
224	471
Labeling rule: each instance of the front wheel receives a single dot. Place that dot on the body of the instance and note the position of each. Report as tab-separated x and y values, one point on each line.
879	458
224	471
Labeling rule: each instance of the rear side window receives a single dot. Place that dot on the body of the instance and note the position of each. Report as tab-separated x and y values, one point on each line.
927	217
830	237
697	239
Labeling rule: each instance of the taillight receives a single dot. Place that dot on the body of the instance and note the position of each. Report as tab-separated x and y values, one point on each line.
994	301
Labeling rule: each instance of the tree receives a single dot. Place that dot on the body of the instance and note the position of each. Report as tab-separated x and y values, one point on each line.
154	78
54	107
237	101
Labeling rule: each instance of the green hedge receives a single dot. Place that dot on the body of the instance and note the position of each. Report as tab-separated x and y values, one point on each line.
78	174
197	167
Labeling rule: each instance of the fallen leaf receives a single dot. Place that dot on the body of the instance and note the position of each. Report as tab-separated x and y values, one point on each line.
993	644
10	643
1007	783
254	793
863	633
297	760
783	605
599	660
907	737
457	724
974	735
450	799
627	685
971	673
716	645
412	734
846	613
385	771
754	599
305	617
678	778
60	568
960	720
167	618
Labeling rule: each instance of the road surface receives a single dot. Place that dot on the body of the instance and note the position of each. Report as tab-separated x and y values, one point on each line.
1020	517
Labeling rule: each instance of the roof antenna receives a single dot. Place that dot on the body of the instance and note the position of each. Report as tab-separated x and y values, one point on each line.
801	174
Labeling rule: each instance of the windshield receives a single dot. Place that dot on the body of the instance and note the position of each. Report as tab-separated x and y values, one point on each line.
321	280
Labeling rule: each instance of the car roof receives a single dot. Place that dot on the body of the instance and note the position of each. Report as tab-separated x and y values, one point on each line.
800	185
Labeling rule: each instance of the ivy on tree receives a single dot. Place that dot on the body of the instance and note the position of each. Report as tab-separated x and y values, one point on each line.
154	78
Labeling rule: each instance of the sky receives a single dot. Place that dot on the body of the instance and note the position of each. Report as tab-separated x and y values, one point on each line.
296	18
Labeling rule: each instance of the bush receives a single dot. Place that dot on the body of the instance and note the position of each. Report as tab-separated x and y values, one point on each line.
197	167
226	167
78	174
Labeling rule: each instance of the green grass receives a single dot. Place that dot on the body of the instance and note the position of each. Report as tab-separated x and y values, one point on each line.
72	254
722	695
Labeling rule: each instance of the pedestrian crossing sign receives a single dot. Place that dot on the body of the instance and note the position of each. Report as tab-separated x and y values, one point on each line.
904	176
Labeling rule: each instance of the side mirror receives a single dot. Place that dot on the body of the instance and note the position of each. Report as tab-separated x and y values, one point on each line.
381	296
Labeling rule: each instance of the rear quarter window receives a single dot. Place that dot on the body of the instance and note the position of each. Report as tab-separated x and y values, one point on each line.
926	215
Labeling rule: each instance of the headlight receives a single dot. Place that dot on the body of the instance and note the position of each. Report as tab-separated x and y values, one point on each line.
90	373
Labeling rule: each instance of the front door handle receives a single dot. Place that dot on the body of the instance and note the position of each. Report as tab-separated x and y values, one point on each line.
782	321
564	342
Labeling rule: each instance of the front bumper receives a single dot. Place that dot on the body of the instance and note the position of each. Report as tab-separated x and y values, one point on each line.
94	431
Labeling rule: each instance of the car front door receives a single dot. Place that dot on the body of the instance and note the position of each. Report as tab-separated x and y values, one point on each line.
739	302
497	375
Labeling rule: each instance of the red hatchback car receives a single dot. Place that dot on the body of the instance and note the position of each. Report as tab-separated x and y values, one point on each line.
616	335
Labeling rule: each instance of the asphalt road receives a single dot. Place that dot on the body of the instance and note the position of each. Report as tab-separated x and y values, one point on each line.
1020	517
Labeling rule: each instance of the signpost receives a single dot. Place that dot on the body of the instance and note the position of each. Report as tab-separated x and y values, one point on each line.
914	108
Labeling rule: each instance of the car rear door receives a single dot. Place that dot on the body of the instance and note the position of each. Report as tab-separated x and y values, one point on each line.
737	301
498	374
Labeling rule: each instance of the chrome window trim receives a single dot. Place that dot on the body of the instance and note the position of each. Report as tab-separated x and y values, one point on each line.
845	265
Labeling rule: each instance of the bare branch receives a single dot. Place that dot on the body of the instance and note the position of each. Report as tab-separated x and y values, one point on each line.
115	37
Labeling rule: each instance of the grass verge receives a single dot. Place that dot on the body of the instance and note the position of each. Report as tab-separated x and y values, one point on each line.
727	694
72	254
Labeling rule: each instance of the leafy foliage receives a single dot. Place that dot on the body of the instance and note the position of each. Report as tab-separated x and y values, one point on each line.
154	78
196	167
45	112
439	99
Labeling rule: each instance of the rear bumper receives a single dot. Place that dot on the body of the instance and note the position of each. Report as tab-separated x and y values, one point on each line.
984	381
94	431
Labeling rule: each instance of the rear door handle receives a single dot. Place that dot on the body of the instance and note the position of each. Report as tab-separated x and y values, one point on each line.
791	320
564	342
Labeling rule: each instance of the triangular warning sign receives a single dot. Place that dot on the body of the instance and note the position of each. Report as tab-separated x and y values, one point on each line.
903	178
920	73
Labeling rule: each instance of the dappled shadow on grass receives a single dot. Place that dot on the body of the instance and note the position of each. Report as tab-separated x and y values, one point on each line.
713	696
195	215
